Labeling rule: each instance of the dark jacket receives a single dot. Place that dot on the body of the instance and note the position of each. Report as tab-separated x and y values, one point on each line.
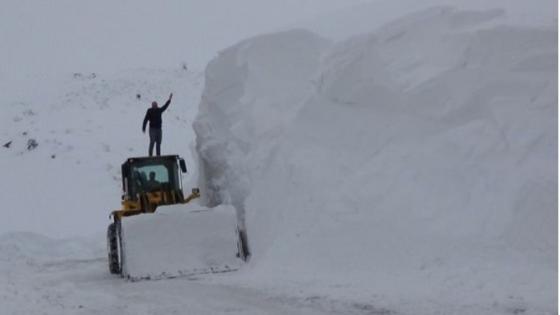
153	115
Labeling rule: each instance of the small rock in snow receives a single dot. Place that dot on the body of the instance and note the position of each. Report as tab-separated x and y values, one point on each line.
32	144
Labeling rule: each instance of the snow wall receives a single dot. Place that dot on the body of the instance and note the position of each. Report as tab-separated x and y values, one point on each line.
419	160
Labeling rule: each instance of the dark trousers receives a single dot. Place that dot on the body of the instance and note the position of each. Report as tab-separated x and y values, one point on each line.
155	137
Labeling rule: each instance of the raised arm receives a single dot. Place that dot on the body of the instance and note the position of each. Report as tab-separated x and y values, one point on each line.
167	103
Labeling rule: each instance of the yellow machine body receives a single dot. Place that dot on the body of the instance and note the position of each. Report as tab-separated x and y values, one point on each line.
149	201
141	195
150	183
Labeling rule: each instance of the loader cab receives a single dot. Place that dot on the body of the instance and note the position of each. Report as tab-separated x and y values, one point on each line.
151	174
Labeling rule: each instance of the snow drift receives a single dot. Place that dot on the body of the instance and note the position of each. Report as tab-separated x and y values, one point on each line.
416	163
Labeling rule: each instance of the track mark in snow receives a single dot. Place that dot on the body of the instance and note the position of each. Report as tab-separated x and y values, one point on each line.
329	305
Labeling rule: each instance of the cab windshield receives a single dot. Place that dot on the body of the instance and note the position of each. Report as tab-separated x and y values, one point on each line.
154	176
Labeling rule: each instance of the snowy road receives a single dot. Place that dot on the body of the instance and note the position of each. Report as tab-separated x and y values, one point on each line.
85	287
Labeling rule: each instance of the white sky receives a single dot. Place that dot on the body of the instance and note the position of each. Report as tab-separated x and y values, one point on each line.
69	35
42	39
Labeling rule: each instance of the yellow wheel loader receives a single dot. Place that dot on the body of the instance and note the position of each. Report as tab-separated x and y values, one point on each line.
157	235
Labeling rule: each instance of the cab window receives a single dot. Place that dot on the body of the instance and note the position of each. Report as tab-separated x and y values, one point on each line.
150	177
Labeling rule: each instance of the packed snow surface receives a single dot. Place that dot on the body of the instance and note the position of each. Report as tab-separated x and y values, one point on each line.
49	276
415	165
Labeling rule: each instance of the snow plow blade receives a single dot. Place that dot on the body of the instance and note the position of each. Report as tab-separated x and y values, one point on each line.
179	240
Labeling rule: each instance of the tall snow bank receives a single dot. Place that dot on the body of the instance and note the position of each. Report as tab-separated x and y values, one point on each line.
252	91
421	164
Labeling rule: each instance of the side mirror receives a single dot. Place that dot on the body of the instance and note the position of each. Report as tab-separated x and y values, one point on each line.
183	165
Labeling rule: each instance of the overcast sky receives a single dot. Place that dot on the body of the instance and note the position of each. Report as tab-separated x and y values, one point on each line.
47	38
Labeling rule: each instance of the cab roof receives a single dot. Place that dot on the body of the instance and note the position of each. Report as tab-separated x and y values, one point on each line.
151	158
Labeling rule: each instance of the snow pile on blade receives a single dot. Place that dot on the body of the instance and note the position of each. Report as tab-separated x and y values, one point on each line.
179	241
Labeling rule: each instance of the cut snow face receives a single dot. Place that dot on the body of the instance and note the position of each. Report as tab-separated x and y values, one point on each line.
242	101
417	162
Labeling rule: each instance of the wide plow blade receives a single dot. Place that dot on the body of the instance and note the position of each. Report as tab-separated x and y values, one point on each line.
179	241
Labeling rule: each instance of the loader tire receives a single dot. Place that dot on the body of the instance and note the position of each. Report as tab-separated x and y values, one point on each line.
113	249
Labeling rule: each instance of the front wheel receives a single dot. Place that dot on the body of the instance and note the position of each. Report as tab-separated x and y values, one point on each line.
113	249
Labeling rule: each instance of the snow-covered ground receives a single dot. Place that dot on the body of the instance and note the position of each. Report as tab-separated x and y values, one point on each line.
408	170
47	276
70	182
